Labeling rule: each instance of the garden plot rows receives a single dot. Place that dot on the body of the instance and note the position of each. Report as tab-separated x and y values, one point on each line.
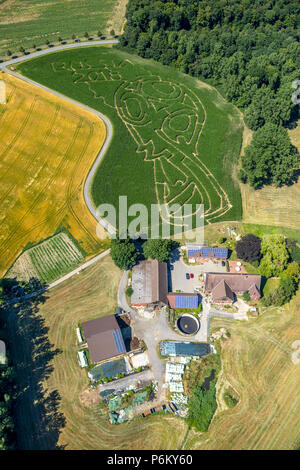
165	120
47	261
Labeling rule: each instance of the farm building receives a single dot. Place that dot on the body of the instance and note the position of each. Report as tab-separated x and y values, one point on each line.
200	254
176	387
183	300
104	338
149	284
224	286
179	348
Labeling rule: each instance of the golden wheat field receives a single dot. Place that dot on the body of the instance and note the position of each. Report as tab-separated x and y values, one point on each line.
270	205
47	147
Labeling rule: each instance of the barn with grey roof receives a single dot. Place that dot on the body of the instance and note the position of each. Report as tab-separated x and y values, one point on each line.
149	283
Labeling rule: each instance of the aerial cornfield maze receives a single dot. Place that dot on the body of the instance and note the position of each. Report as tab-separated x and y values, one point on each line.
48	260
175	139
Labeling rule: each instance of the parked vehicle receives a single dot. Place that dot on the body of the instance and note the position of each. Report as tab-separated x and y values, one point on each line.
187	275
192	275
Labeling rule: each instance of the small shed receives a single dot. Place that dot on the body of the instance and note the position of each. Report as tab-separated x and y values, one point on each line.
82	359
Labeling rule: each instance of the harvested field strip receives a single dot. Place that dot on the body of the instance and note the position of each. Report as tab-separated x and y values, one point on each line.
42	173
49	260
166	126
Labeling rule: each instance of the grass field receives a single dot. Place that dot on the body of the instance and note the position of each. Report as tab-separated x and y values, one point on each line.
175	139
47	147
270	205
54	371
48	260
24	23
256	364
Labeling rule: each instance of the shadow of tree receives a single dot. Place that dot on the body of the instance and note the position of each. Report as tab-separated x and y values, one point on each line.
37	415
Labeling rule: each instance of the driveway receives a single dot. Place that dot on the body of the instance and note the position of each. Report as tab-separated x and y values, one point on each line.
178	270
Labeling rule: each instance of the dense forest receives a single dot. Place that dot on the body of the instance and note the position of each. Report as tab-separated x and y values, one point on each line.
248	49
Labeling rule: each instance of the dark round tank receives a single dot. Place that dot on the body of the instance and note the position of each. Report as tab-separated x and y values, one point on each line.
188	324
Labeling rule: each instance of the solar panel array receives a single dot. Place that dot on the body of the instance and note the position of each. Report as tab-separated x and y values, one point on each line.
206	251
119	342
186	301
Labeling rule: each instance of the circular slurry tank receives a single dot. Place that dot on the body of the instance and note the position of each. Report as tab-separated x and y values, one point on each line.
188	324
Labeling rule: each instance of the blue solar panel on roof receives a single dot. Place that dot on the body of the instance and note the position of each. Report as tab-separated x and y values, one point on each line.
205	251
119	342
182	301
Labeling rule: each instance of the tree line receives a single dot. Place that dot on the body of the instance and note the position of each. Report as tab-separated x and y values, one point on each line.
274	256
248	49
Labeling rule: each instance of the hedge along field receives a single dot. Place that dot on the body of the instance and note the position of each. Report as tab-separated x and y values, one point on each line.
175	139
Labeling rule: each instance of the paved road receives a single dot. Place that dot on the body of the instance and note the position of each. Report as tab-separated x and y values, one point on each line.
109	128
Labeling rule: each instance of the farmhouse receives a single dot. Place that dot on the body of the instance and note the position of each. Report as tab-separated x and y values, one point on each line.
104	338
198	254
224	286
183	300
149	284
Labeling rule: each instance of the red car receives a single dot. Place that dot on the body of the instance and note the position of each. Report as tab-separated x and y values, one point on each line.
192	275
